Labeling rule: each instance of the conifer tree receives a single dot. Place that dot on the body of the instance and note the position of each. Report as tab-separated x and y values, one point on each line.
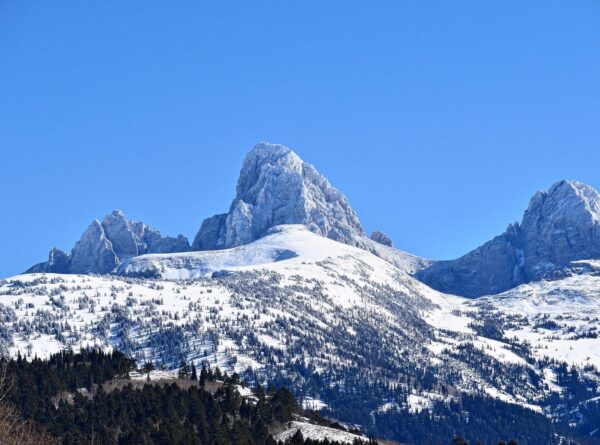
184	370
148	368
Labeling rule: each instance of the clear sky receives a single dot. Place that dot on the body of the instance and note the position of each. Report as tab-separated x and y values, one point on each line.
438	120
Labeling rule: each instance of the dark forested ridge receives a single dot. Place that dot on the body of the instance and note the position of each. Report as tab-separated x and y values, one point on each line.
86	398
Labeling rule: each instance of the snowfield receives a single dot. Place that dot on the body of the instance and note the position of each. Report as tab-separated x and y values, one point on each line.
294	305
316	432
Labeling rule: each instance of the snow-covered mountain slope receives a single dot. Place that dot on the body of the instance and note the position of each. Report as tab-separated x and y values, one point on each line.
554	320
339	325
559	319
317	432
317	276
406	262
285	242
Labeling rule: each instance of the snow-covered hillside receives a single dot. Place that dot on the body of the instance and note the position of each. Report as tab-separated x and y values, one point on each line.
317	432
286	242
558	318
321	317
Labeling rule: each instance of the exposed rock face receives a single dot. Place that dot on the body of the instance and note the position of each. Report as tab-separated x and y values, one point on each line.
559	226
121	234
276	187
104	245
133	238
58	262
381	238
58	259
93	253
210	232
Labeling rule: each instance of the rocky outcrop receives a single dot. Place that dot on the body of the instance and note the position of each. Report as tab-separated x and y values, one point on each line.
276	187
210	233
104	245
93	253
58	262
381	238
559	226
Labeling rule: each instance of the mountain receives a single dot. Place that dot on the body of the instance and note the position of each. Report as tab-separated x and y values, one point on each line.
298	309
286	289
559	226
276	187
104	245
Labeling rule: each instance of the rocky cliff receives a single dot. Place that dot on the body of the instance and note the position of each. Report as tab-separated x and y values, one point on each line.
104	245
276	187
559	226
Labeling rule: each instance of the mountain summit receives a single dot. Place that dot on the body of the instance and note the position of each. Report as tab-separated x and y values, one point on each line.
560	225
104	245
277	187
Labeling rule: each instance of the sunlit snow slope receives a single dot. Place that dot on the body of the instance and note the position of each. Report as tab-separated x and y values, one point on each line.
294	305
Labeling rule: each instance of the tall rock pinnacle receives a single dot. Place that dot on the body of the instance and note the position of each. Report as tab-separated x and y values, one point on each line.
276	187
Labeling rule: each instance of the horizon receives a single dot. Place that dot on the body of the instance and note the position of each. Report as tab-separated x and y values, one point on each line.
437	122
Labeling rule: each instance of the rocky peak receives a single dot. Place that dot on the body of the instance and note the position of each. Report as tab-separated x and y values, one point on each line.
560	225
104	245
564	202
93	253
276	187
119	230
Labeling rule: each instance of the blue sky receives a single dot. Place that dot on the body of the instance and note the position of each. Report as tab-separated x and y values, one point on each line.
438	120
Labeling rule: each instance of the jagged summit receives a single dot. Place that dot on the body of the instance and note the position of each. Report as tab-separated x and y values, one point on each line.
560	225
104	245
566	199
276	187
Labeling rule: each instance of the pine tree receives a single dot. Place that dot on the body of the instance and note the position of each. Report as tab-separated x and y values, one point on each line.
184	370
148	368
203	376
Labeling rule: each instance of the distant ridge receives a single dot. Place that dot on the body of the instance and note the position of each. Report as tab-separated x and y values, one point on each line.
560	225
104	245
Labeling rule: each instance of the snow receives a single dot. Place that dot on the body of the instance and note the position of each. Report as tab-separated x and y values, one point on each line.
313	404
388	406
498	350
83	301
154	375
244	391
573	303
316	432
326	288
